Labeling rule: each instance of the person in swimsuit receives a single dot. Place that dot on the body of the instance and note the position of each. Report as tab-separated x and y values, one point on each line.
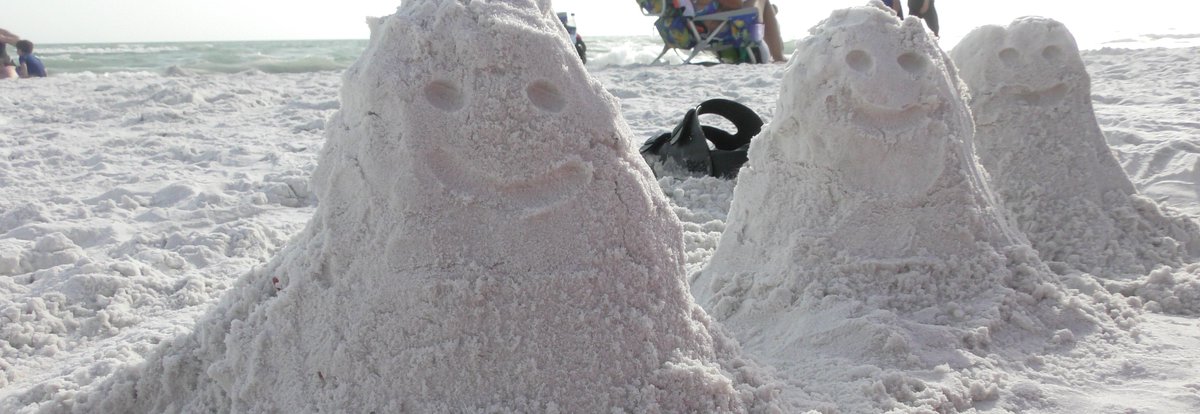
8	69
925	10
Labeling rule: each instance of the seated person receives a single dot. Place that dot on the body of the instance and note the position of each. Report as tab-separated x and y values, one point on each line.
766	17
31	65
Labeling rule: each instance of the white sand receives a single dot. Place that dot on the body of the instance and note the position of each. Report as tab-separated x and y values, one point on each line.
132	203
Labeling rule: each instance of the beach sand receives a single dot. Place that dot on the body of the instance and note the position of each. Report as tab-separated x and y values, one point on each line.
131	203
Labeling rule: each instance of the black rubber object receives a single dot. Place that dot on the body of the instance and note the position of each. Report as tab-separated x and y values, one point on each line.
687	145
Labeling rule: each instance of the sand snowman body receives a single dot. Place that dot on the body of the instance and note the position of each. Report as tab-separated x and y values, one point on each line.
869	161
863	242
486	239
1038	138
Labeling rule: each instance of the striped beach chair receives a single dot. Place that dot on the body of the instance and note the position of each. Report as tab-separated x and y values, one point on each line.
681	26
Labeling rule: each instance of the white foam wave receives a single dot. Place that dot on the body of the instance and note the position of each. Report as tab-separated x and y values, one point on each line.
106	50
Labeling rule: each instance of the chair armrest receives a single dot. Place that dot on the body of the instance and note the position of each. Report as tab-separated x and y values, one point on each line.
727	14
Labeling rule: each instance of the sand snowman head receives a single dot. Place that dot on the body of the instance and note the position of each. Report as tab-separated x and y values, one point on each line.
495	115
468	125
869	96
1031	97
1031	65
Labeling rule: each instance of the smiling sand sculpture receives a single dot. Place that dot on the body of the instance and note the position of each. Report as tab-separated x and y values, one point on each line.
1038	138
486	240
863	244
868	161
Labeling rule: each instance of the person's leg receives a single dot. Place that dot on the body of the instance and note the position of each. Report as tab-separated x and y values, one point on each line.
771	35
931	19
914	7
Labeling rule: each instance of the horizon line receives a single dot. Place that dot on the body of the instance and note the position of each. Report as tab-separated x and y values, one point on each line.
254	40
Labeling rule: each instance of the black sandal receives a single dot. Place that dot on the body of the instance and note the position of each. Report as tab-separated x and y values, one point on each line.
686	147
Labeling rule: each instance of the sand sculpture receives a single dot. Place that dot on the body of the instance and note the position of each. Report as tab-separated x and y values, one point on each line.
863	243
486	239
869	160
1038	138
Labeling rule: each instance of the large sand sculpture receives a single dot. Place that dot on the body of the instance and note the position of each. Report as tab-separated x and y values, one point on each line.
863	244
486	239
867	169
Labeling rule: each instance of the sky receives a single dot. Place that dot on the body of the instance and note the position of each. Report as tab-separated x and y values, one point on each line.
115	21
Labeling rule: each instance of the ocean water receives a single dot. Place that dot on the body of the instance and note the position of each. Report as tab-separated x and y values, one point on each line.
291	56
299	56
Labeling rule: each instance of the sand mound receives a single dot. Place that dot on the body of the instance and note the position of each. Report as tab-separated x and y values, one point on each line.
1038	139
486	240
863	244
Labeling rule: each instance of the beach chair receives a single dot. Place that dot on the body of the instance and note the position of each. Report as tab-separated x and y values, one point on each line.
681	26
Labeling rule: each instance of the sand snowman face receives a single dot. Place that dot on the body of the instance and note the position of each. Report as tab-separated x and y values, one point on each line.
1033	65
881	114
472	143
537	165
493	122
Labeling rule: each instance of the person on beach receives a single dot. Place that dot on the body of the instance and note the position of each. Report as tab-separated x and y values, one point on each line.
766	17
31	66
8	69
925	10
896	7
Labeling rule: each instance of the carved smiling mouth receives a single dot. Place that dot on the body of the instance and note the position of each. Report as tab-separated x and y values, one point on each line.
526	196
1037	97
889	118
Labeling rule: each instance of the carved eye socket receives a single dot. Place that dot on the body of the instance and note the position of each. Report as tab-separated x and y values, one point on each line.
1010	56
444	95
1052	52
859	60
546	96
913	63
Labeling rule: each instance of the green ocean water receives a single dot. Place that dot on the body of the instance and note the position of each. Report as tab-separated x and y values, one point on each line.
291	56
301	56
223	57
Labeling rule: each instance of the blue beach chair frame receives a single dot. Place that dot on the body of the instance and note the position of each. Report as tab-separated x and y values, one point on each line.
680	31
